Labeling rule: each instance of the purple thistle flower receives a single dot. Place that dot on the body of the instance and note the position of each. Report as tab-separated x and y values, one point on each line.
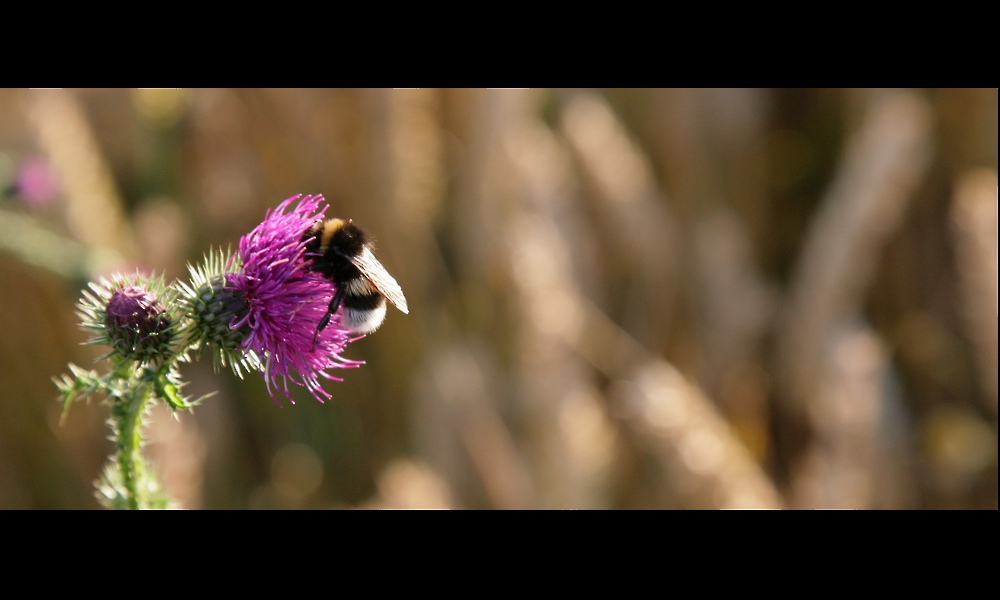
286	301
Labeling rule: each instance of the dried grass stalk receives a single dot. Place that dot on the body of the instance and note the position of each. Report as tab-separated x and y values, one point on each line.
461	435
882	164
705	463
974	227
571	437
93	206
632	214
830	371
852	460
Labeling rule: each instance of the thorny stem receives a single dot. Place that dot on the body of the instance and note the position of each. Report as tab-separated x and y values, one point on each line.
128	413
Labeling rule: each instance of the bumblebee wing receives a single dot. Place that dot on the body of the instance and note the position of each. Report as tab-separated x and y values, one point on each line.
373	270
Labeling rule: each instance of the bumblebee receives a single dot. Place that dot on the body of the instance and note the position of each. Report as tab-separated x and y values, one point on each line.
342	253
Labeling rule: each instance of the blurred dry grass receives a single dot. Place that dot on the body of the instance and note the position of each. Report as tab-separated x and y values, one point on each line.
619	298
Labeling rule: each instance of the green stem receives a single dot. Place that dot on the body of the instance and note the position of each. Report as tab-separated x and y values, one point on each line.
129	438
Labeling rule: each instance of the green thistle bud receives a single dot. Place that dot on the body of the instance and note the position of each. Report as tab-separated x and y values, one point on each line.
134	315
212	307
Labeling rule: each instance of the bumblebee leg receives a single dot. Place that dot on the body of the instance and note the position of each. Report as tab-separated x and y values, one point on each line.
334	305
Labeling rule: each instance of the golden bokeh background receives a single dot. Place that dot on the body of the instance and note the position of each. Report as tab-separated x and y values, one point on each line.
708	298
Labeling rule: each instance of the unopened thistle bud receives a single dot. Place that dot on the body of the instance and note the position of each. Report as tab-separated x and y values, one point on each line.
212	307
215	307
133	315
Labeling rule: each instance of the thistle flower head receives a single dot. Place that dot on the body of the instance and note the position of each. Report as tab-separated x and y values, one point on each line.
287	301
272	304
131	315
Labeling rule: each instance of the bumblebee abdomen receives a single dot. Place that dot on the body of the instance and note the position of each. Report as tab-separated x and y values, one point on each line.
363	320
366	302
